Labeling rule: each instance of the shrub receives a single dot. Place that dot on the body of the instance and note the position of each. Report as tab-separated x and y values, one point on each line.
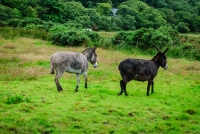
13	22
35	24
92	35
120	37
3	24
182	28
67	36
170	32
70	38
146	38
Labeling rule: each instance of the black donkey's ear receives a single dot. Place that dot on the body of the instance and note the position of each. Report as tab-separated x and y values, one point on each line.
166	50
157	49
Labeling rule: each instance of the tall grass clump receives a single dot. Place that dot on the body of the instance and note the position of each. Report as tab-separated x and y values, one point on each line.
15	99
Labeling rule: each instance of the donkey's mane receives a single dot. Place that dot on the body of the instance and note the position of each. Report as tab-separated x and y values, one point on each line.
155	58
88	52
87	49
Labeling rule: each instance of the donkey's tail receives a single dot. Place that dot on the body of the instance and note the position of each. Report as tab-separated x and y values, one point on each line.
51	68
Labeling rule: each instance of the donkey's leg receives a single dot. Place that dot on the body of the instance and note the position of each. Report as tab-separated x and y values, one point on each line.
148	86
85	76
78	82
57	78
121	85
152	89
123	88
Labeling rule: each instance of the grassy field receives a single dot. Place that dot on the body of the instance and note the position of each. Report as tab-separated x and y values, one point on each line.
30	103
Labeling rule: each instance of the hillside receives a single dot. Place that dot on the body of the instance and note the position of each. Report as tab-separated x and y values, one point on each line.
30	102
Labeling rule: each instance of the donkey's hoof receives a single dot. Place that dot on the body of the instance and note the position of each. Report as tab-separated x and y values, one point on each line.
120	93
60	89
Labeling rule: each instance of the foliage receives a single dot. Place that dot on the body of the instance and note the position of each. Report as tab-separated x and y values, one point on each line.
142	15
182	28
120	37
15	99
104	8
67	36
6	13
173	34
51	10
147	38
126	22
131	14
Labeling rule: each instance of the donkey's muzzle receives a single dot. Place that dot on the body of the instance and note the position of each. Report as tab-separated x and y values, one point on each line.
166	67
95	65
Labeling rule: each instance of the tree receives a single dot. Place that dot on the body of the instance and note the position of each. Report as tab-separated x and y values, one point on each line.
104	8
30	12
72	10
128	22
95	19
22	5
51	10
144	15
105	23
7	13
190	20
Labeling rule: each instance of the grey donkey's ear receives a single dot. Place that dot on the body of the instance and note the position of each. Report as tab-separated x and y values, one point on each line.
94	48
166	50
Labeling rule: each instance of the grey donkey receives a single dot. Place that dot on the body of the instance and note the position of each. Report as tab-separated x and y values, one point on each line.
72	62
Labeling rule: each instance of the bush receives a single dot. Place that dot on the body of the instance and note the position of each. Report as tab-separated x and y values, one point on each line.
92	35
70	38
35	24
182	28
3	24
13	22
144	38
120	37
170	32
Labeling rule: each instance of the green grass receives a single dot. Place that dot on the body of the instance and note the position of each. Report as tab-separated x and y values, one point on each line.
30	102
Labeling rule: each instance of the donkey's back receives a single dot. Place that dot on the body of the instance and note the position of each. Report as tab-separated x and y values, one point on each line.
137	69
66	61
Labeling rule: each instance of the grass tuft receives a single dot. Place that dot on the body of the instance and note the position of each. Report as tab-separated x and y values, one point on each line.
15	99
